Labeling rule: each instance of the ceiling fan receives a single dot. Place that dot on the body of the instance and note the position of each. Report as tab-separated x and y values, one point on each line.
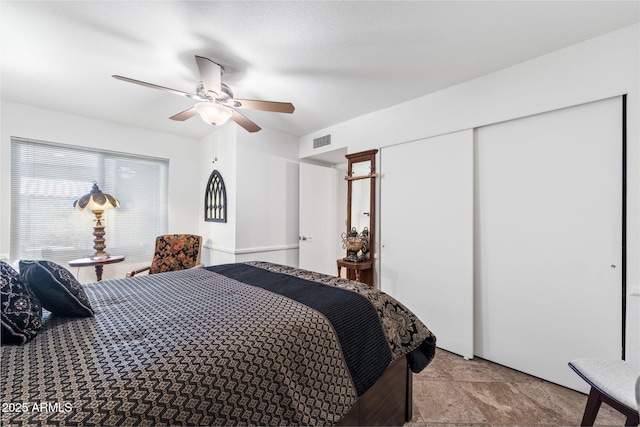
216	103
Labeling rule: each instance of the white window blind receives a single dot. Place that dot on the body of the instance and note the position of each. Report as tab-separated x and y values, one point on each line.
47	178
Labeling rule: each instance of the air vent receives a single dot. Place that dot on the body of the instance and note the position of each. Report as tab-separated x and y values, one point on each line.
322	141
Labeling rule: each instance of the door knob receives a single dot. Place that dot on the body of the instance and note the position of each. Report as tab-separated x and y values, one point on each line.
304	238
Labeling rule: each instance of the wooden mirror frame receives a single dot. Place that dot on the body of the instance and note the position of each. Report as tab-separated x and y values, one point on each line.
363	156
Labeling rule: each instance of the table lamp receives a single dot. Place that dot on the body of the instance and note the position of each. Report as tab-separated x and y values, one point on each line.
97	201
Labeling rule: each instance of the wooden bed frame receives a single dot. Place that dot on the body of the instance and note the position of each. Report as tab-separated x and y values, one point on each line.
388	402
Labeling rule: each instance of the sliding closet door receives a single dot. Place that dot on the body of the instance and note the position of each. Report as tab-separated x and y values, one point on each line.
548	240
426	226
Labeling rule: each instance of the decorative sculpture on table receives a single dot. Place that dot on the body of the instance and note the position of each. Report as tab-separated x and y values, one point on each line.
356	244
97	201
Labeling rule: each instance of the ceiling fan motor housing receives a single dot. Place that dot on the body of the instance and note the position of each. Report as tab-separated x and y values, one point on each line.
206	96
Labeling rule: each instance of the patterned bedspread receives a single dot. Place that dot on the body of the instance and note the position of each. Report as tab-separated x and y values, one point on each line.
231	345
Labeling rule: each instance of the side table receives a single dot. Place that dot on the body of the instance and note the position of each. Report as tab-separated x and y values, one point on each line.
98	263
359	271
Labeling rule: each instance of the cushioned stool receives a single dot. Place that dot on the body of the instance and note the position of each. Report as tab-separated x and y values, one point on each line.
612	382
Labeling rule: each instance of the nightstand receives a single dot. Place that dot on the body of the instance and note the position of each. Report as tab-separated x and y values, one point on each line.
97	263
359	271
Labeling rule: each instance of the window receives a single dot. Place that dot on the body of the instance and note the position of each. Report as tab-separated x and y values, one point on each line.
47	178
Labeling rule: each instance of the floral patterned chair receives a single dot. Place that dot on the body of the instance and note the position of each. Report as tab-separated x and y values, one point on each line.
174	252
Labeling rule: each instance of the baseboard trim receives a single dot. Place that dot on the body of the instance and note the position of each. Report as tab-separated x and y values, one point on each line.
244	251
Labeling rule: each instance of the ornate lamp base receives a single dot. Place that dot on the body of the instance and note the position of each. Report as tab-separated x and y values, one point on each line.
99	241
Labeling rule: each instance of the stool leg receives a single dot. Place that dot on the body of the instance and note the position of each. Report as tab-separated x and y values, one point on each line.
591	410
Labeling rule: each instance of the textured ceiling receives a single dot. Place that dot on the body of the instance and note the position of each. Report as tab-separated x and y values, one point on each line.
332	60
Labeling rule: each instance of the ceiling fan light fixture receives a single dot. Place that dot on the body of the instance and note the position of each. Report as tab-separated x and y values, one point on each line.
215	102
213	113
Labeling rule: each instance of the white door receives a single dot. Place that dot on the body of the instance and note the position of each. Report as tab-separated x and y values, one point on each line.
548	240
318	235
426	227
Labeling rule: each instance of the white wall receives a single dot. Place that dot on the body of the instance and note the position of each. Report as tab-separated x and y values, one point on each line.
219	238
262	171
268	185
35	123
595	69
598	68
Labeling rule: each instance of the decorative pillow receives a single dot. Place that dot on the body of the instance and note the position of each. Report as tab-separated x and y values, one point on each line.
56	288
21	310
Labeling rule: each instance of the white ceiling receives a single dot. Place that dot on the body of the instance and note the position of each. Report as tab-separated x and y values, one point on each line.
332	60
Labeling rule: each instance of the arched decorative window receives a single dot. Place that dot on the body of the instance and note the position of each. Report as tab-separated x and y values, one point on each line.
215	199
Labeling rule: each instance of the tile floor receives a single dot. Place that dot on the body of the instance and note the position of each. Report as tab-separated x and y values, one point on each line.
456	392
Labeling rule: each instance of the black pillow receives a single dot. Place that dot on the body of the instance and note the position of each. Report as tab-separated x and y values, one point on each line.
21	310
56	288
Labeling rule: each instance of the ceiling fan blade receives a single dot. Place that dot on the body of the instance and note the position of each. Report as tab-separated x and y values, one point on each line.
184	115
211	74
244	121
276	107
151	85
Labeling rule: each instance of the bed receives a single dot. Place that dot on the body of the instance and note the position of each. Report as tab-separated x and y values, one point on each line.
238	344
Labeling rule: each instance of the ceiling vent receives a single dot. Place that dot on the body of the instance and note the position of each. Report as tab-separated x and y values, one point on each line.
322	141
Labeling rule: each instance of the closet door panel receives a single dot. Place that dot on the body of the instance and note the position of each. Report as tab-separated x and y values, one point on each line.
548	240
426	226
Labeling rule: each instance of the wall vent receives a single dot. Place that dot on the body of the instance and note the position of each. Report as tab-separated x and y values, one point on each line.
322	141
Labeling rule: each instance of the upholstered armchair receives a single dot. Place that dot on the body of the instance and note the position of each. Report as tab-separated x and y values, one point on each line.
174	252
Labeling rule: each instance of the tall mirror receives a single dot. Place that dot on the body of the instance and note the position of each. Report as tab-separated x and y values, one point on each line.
359	238
360	211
